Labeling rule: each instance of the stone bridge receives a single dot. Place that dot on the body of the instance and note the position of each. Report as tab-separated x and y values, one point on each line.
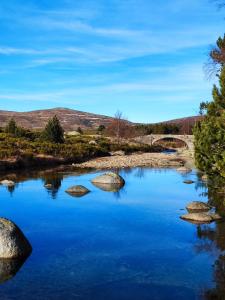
151	139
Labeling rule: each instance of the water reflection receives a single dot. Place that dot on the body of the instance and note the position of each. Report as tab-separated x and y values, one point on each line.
211	238
133	248
9	268
52	183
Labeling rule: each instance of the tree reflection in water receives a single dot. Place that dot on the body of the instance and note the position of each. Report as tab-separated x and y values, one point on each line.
52	183
212	239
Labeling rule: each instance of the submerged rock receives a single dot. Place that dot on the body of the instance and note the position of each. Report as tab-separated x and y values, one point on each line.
109	178
198	206
197	217
7	182
77	190
13	243
188	181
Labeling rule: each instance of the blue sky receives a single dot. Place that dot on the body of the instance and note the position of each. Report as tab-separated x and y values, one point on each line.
142	57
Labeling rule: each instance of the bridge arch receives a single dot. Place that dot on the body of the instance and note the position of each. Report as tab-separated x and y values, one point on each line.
153	138
170	138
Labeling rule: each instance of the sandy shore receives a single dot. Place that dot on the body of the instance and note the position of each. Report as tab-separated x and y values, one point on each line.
134	160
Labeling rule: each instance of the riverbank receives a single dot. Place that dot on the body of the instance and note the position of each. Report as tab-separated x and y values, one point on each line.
136	160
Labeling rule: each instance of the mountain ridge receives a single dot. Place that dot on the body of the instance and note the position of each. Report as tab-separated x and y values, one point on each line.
72	119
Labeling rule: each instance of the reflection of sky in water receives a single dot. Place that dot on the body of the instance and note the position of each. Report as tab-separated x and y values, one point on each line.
129	244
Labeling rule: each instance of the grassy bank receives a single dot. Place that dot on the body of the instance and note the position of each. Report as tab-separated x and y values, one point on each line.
31	151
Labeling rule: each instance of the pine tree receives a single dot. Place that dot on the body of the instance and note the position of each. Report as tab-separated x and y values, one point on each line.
11	127
53	131
210	133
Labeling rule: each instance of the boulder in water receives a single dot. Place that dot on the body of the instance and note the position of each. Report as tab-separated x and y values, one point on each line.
13	243
109	178
188	181
77	190
8	183
197	218
108	187
198	206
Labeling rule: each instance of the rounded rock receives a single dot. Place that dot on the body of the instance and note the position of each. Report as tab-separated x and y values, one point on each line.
188	181
198	206
77	190
109	178
197	218
13	243
7	182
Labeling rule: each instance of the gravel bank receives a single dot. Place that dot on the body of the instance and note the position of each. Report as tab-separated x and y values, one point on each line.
134	160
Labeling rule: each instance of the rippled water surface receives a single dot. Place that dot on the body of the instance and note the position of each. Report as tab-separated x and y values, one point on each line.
129	244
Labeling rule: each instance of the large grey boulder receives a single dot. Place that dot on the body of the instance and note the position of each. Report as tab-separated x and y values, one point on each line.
77	190
13	243
198	206
109	178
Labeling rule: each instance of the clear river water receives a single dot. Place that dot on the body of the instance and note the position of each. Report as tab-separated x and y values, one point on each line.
124	245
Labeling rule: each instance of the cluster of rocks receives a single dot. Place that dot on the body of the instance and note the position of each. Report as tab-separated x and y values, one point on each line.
110	182
200	212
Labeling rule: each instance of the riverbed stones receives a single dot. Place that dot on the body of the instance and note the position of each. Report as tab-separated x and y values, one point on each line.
13	243
188	181
7	182
109	178
198	206
77	190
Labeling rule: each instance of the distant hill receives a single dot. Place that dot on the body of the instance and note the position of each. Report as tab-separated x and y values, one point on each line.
188	120
186	124
70	119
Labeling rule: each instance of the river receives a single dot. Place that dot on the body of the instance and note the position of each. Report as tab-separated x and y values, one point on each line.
128	244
